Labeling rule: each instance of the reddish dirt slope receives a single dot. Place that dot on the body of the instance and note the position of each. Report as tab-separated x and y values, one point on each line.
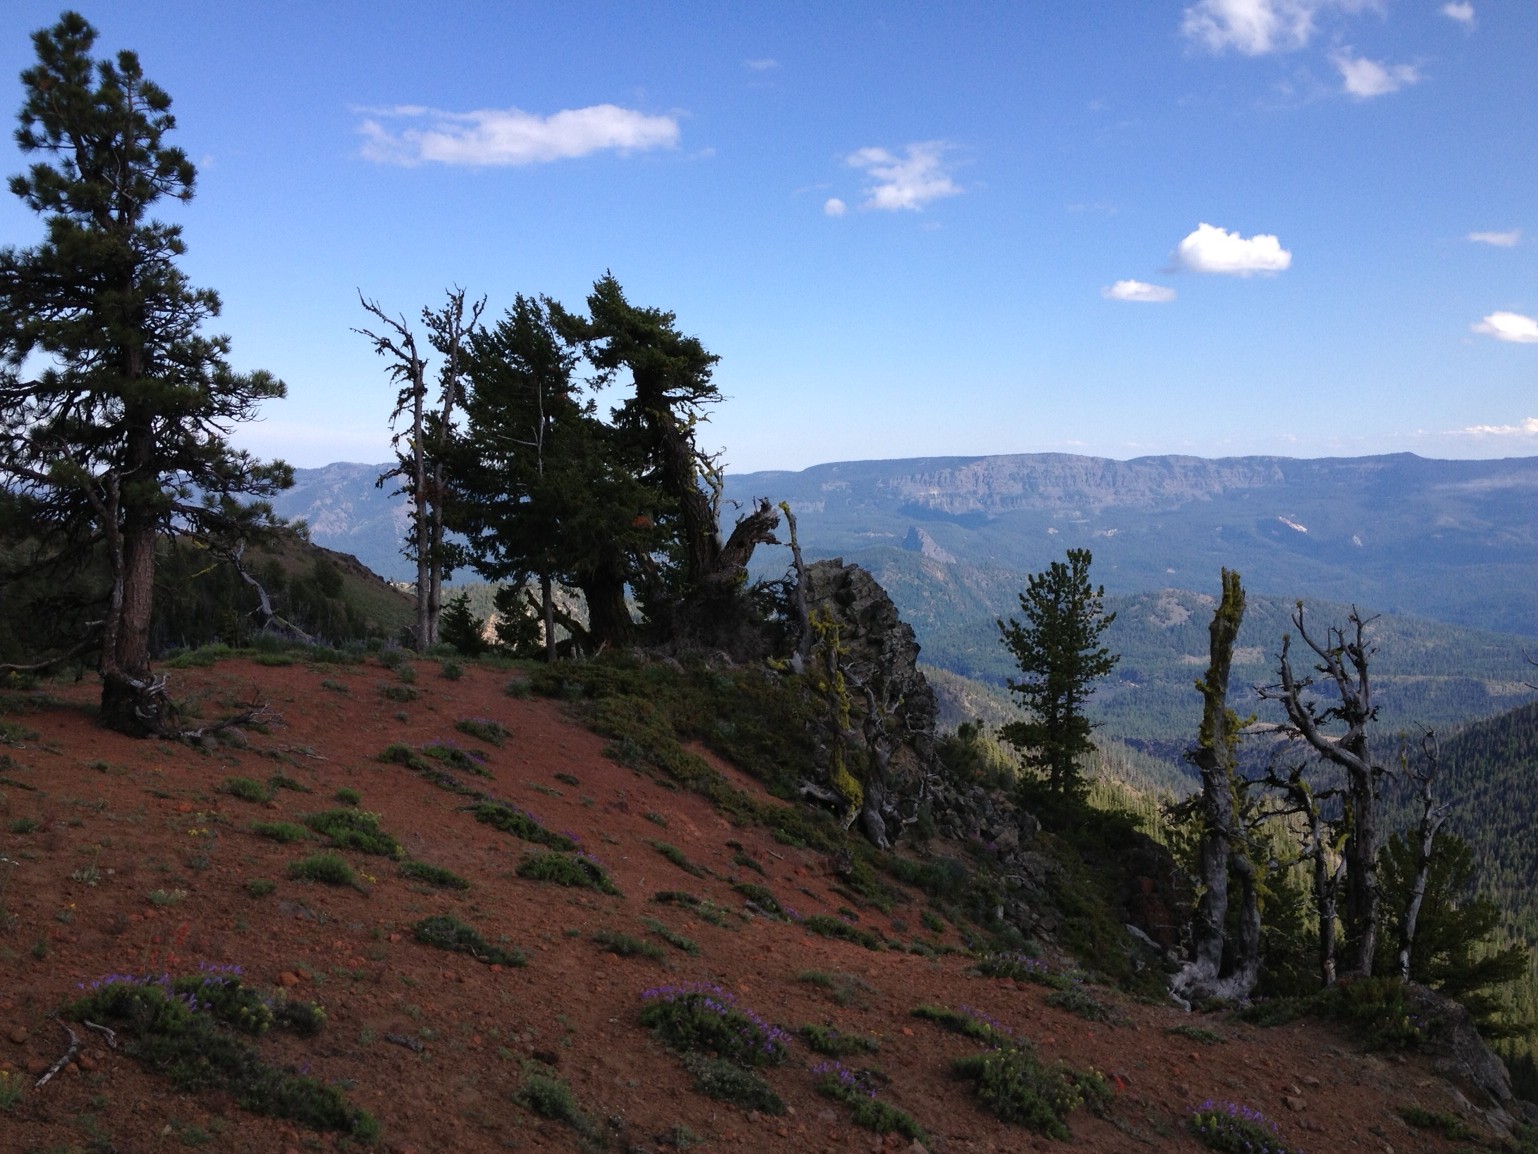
92	824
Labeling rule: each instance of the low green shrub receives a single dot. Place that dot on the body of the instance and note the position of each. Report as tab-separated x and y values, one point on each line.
700	1018
433	875
1014	1084
672	938
760	897
857	1090
520	824
547	1095
727	1082
449	933
1080	1002
187	1031
967	1022
483	729
285	832
676	856
330	868
835	1044
831	927
245	789
626	946
354	829
1236	1129
577	870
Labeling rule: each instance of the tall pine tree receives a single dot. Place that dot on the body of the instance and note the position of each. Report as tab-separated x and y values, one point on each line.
122	434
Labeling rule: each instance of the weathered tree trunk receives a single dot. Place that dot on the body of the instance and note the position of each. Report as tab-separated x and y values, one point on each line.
1432	817
132	700
547	614
1223	851
609	623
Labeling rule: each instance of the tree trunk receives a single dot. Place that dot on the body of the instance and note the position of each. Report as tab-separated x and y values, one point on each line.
609	623
132	701
1222	848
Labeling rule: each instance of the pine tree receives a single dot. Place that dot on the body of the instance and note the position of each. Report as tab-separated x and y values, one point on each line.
122	437
1057	647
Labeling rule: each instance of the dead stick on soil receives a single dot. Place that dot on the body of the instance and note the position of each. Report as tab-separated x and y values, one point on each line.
69	1056
108	1031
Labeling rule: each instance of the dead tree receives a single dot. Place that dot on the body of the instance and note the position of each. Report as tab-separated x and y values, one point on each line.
1432	817
420	448
1343	655
1321	849
1224	848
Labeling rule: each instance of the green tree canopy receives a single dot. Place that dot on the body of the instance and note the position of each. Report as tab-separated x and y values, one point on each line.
1057	648
122	433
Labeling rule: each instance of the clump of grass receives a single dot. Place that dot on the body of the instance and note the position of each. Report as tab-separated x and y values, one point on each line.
283	781
330	868
577	870
834	1043
24	825
676	856
568	779
672	938
449	933
1018	1088
550	1097
830	927
627	946
517	687
1014	964
399	753
760	897
520	824
354	829
707	910
727	1082
483	729
10	1090
260	887
655	818
1452	1128
451	670
347	796
1081	1003
397	693
433	875
188	1031
846	989
245	789
166	897
967	1022
699	1018
857	1090
285	832
1197	1034
1236	1129
469	760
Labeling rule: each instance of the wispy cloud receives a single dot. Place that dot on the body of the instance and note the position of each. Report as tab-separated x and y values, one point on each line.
909	181
1258	27
1463	13
1140	291
411	135
763	64
1512	327
1366	78
1528	428
1216	250
1508	239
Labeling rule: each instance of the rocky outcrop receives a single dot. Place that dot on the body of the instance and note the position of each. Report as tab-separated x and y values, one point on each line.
890	744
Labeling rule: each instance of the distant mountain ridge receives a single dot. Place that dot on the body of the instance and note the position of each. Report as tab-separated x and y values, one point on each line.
1456	541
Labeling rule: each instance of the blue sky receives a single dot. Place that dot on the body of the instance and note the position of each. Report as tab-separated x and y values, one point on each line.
1300	227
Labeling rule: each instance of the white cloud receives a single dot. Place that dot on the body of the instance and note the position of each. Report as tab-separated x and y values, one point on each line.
909	181
766	64
1463	13
1512	327
833	206
1216	250
1258	27
1368	78
1528	428
509	136
1136	290
1508	239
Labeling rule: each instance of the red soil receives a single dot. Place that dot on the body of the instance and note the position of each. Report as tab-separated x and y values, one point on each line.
92	823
